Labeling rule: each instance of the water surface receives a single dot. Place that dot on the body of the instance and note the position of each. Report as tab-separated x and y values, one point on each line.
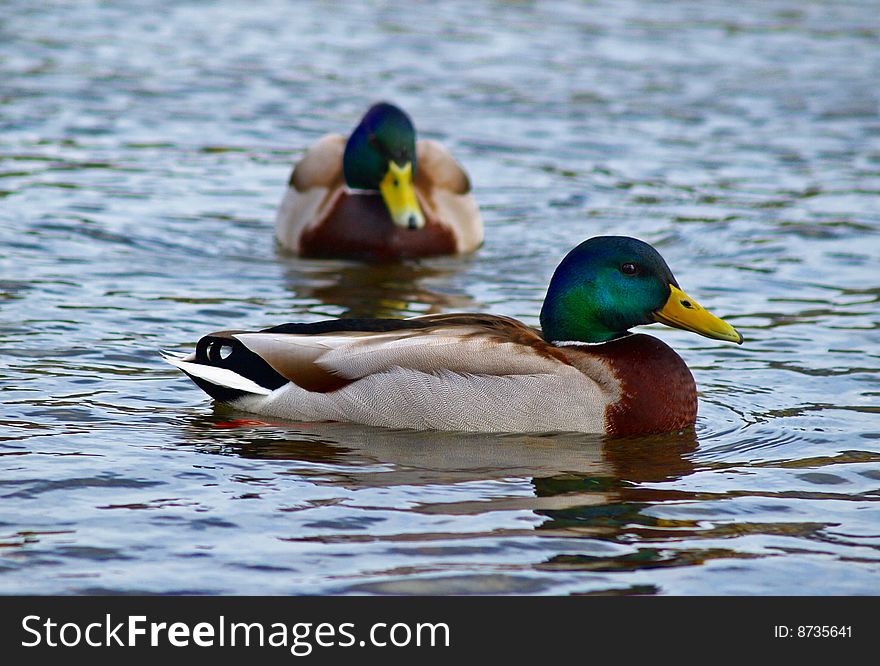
143	151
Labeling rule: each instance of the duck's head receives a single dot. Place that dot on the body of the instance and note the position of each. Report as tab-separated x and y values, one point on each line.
381	155
608	284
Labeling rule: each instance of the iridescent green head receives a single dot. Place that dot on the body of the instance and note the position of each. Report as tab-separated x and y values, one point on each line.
381	155
608	284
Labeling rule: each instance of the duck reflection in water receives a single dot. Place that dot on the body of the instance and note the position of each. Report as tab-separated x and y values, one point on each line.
567	471
589	496
350	289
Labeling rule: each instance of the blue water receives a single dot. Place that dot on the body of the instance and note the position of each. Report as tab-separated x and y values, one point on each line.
144	148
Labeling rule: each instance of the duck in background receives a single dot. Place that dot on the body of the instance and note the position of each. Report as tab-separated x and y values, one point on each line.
379	195
584	371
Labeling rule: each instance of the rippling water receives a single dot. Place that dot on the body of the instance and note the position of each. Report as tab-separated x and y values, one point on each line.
143	150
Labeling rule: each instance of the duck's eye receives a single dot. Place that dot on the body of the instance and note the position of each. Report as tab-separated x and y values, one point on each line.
629	268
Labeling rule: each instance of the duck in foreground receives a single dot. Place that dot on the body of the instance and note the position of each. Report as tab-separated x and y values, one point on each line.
479	372
379	195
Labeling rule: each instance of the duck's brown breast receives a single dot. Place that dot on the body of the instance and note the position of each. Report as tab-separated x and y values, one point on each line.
657	392
358	226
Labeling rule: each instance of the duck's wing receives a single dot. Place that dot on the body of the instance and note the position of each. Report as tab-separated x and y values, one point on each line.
326	356
313	182
444	189
461	343
437	168
321	166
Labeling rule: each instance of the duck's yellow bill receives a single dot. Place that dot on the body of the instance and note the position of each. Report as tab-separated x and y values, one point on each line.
399	194
682	311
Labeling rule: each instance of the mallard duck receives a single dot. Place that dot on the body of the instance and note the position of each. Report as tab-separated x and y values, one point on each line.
380	195
583	371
